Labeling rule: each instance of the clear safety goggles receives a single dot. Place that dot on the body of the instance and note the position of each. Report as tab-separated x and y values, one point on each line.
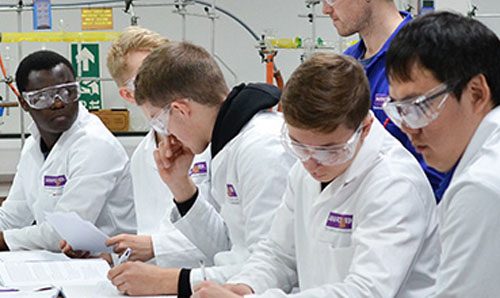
329	2
419	111
130	84
44	98
159	122
325	155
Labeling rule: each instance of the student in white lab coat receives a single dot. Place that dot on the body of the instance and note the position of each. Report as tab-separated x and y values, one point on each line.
71	162
183	89
157	237
445	94
358	217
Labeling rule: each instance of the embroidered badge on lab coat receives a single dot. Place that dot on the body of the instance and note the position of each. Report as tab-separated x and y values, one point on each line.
232	195
339	221
54	184
231	191
198	168
54	181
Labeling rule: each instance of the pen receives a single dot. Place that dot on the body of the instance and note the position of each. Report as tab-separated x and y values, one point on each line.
8	290
60	293
124	256
202	266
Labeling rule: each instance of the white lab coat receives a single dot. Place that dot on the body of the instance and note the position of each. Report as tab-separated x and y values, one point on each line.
87	171
153	202
469	216
248	179
372	232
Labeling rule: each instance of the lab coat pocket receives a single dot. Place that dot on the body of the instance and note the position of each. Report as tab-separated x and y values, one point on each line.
334	238
54	193
333	255
341	260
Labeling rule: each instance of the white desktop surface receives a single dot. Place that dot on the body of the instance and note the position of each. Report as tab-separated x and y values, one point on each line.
97	287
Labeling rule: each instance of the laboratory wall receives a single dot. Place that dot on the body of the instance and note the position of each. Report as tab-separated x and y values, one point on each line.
234	46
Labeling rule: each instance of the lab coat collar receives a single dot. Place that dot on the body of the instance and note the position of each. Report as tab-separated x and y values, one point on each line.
33	129
150	146
82	114
240	106
369	153
368	156
489	126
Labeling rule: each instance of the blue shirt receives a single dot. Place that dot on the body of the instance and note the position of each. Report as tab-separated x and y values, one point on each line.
375	71
445	183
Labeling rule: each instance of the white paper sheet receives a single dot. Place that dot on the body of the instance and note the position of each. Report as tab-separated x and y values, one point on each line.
28	273
29	293
79	233
77	278
31	255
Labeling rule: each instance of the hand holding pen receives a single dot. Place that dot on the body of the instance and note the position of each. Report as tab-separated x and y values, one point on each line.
124	257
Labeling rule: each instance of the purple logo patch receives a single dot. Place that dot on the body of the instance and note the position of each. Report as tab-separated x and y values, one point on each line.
54	181
198	168
231	191
339	221
379	100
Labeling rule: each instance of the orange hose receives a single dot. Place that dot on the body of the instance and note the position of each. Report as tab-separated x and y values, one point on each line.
5	76
279	79
269	69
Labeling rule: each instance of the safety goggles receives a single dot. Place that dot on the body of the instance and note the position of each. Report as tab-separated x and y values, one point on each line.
329	2
159	122
130	84
44	98
419	111
325	155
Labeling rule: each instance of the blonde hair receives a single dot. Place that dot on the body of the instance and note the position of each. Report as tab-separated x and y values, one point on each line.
131	40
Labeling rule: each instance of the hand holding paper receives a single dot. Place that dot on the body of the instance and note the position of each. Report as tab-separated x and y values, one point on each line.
79	233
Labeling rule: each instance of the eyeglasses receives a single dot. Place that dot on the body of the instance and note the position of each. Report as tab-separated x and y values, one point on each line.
329	2
419	111
159	122
130	84
325	155
45	98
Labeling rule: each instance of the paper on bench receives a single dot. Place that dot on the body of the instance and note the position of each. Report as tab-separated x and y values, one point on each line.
32	256
86	271
79	233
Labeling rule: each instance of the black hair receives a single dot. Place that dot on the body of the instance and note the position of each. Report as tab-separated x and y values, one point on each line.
40	60
452	47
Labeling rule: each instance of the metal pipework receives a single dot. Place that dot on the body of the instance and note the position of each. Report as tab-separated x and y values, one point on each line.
19	57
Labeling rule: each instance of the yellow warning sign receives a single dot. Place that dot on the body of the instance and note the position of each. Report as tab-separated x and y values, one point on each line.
97	18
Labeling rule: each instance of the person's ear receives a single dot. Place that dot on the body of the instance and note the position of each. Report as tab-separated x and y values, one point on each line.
480	94
127	95
367	125
182	106
23	103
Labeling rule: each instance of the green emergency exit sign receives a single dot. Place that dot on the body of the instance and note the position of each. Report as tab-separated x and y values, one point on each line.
85	60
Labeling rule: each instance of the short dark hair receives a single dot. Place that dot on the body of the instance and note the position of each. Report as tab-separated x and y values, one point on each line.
452	47
40	60
180	69
326	91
